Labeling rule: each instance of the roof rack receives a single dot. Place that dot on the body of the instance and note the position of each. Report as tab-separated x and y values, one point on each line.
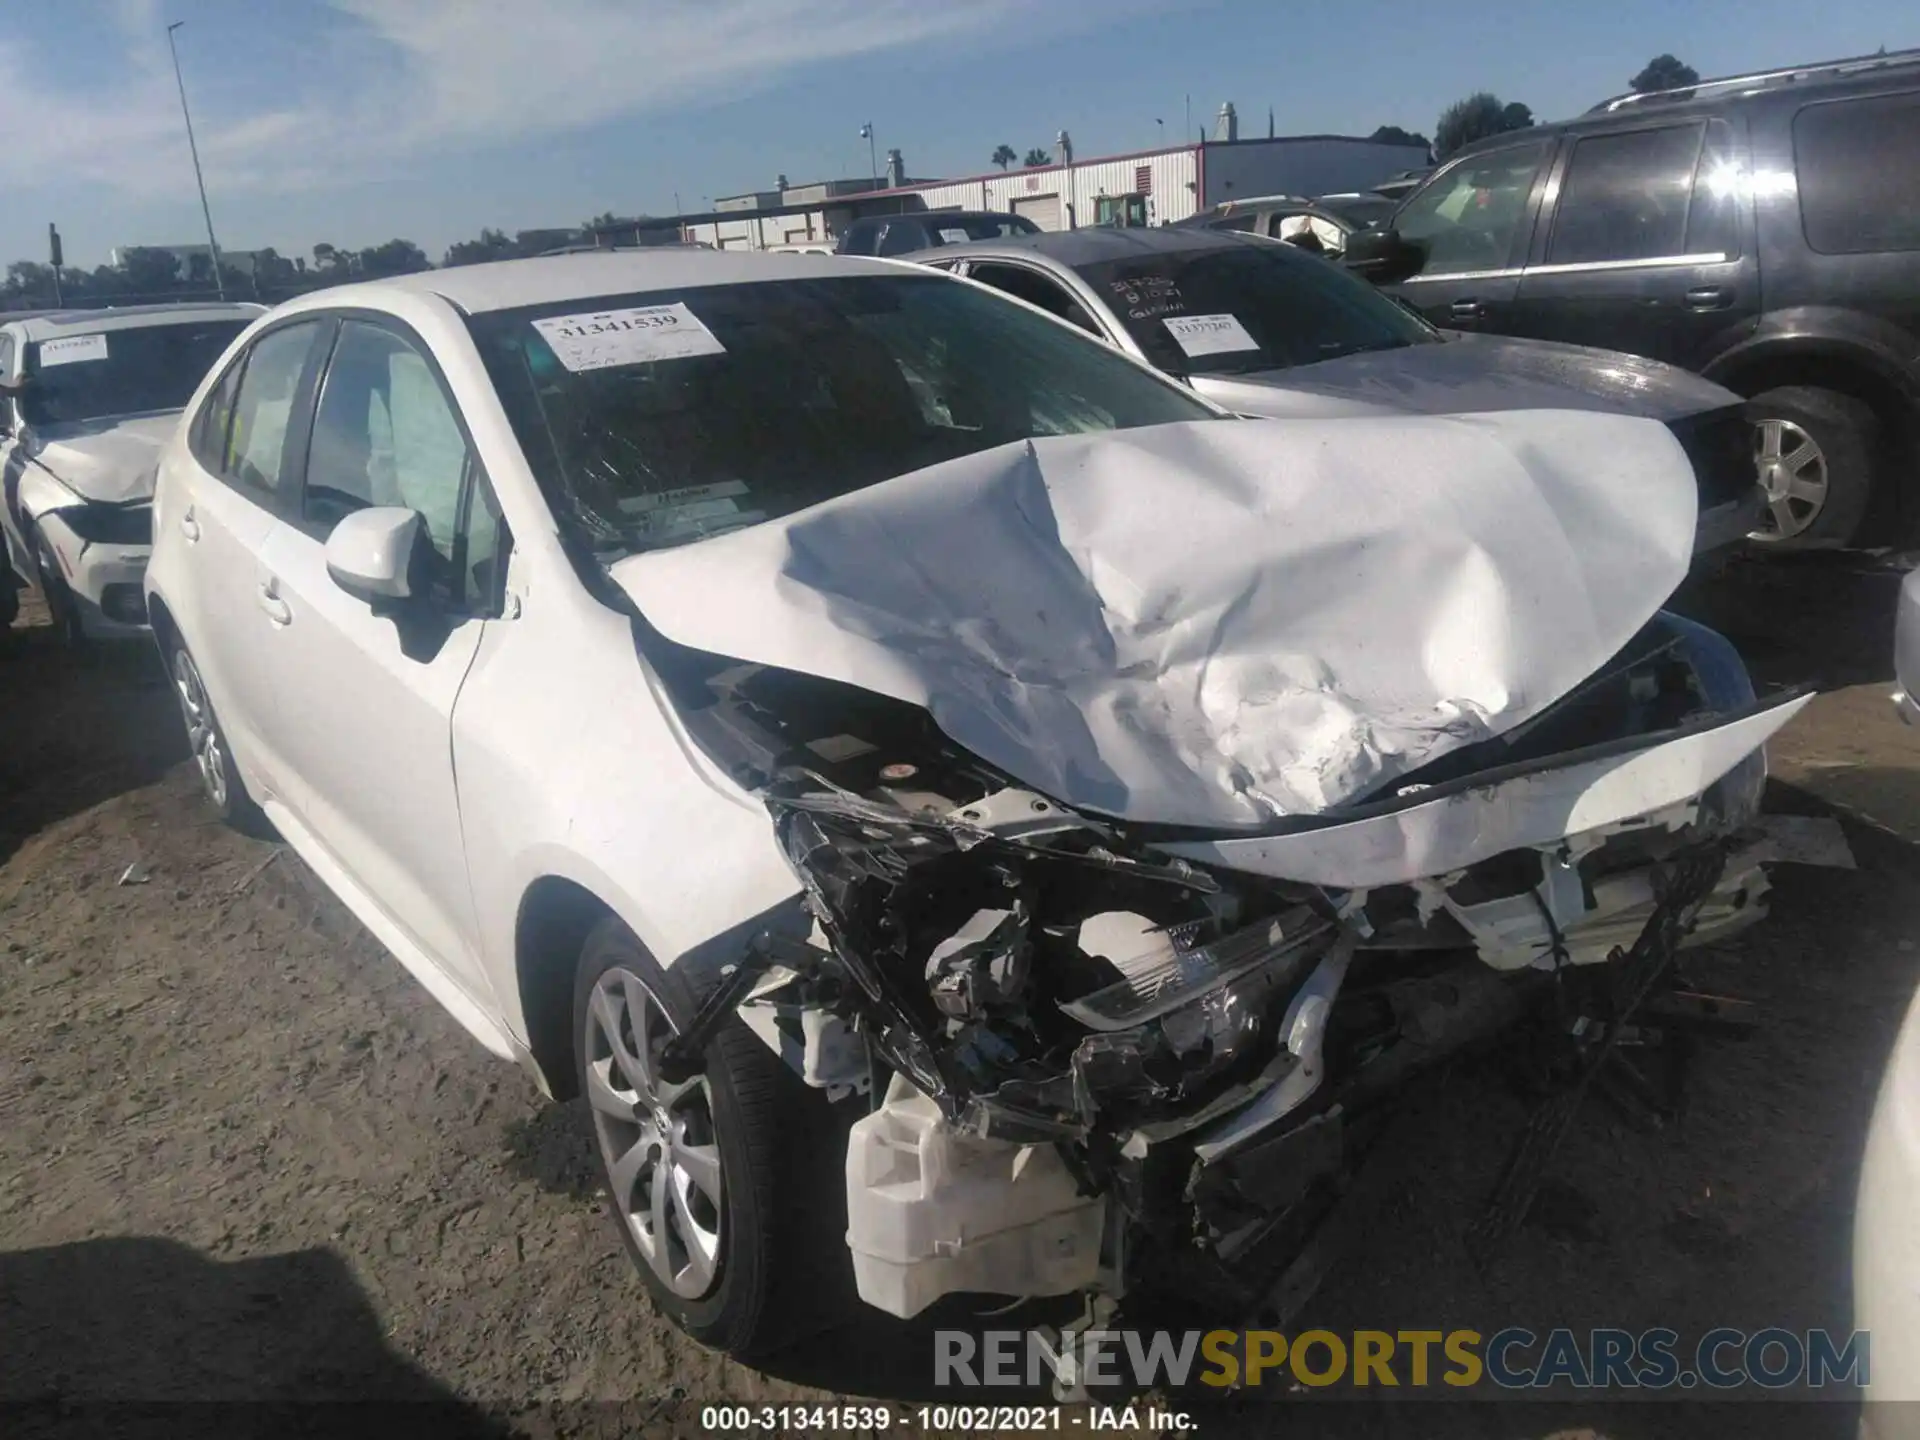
1820	70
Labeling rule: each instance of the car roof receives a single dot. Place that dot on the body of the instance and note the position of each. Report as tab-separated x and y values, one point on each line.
52	324
1074	248
935	217
510	284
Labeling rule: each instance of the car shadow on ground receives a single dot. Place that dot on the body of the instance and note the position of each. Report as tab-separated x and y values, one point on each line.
78	725
145	1336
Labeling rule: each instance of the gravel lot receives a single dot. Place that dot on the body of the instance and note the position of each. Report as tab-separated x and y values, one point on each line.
243	1156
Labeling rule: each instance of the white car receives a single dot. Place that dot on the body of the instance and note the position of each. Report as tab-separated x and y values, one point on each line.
839	700
1886	1239
87	397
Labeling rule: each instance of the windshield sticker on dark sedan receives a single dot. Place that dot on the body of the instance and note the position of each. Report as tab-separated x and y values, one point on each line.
603	339
71	349
1209	334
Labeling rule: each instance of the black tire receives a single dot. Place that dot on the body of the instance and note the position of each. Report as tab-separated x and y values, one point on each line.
220	782
1849	439
782	1267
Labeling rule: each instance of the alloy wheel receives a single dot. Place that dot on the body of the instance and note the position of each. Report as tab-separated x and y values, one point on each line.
657	1138
1793	473
203	736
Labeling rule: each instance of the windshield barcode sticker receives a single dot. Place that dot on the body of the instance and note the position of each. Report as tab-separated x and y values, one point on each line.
727	490
1209	334
606	338
71	349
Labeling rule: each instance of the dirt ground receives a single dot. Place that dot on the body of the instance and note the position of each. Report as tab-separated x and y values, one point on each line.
243	1156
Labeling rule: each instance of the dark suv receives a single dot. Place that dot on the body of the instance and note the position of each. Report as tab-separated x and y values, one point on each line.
1763	230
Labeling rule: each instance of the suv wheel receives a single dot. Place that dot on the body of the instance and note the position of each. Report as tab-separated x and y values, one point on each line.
219	781
693	1170
1817	451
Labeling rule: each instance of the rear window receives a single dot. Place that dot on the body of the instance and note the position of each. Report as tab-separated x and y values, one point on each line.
126	371
1858	166
659	419
1248	306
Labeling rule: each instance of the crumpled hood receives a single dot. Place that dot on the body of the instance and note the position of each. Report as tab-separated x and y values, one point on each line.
1214	623
1467	374
111	461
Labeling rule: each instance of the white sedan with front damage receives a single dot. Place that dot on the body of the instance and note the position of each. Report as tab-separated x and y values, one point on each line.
87	398
833	715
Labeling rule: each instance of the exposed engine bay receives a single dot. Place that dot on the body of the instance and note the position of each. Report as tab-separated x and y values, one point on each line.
1094	1065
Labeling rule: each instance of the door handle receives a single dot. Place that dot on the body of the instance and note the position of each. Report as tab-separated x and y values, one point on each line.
276	608
1709	297
189	526
1467	310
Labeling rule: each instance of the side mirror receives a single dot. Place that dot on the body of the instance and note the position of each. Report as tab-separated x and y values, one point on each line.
1382	256
371	553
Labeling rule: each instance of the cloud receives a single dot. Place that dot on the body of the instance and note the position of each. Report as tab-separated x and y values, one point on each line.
392	81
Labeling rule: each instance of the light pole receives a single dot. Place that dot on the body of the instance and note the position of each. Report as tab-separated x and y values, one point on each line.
873	155
213	245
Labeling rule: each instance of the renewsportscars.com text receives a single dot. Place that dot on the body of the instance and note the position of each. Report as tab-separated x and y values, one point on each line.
1514	1358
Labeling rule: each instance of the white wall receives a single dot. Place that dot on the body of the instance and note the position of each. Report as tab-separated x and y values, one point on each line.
1300	167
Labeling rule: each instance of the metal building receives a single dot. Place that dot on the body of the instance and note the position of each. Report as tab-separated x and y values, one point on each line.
1148	187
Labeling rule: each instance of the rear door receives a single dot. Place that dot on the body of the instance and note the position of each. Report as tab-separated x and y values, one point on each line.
367	699
1648	246
232	494
1475	220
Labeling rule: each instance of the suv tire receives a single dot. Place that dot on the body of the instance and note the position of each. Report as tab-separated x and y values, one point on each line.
774	1252
1845	437
61	606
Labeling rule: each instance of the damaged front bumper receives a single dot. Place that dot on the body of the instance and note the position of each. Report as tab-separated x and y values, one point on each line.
1103	1057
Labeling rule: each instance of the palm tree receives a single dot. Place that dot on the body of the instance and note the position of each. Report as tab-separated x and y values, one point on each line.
1005	156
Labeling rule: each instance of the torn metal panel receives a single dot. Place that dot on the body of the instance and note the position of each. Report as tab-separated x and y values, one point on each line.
1214	624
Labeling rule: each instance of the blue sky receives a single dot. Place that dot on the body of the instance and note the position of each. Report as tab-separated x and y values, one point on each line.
354	121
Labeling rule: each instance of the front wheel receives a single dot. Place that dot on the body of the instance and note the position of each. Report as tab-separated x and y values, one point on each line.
693	1169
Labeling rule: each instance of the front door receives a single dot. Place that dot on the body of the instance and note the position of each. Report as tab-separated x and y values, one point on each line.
1475	221
367	700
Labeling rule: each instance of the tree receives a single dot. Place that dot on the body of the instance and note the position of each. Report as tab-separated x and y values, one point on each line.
1394	135
1037	157
29	278
1474	118
395	257
1663	72
325	257
492	245
1005	155
149	271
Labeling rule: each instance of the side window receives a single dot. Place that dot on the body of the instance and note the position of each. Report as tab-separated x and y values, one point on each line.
263	407
1035	289
1245	220
1467	218
1858	164
1625	196
385	434
208	438
1713	219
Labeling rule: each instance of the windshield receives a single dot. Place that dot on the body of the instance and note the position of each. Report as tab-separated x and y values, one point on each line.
122	372
658	419
1253	306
